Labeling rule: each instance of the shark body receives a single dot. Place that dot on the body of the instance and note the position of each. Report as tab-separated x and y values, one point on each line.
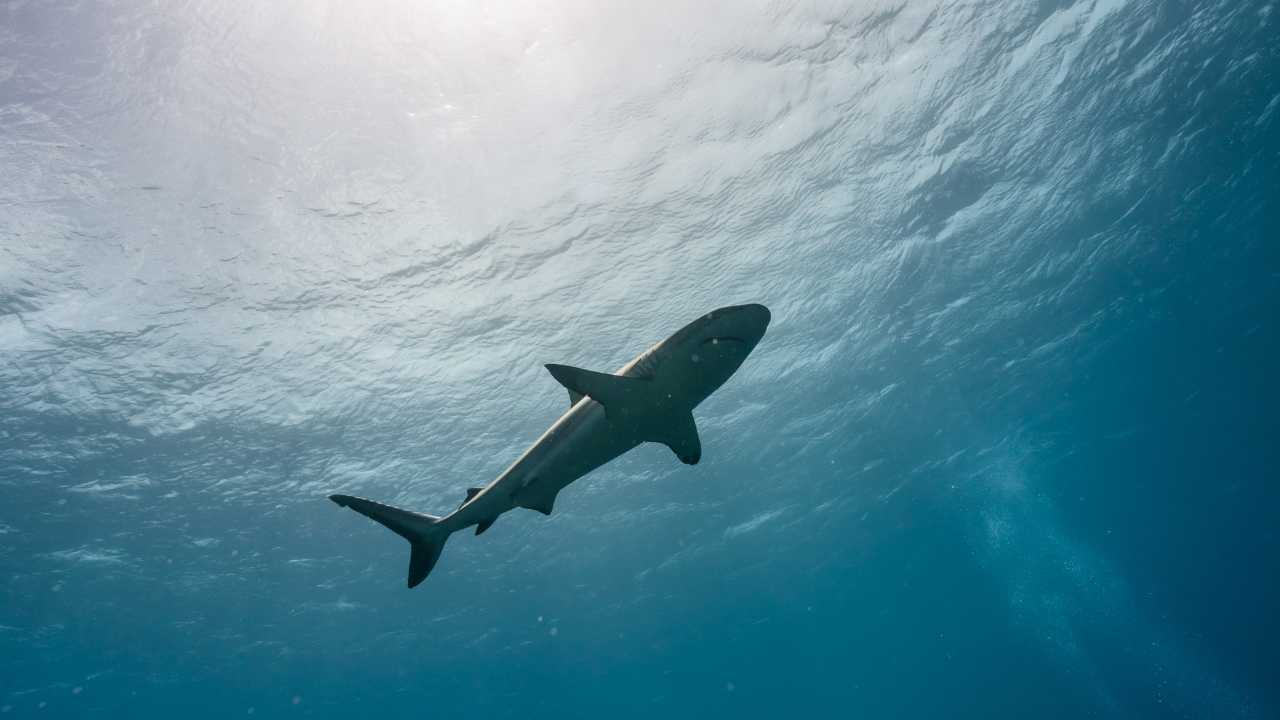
650	399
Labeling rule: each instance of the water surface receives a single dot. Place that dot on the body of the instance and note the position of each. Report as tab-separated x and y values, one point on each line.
1008	449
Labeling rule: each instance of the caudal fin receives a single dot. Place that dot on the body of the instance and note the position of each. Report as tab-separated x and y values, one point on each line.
426	538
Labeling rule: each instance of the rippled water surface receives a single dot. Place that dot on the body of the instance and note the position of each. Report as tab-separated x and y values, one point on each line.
1007	450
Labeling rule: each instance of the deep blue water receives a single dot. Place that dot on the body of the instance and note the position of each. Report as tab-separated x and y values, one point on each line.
1008	449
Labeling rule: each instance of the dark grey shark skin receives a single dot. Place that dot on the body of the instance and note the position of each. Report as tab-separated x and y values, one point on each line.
650	399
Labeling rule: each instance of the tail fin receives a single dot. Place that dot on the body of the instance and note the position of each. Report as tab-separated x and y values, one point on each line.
426	538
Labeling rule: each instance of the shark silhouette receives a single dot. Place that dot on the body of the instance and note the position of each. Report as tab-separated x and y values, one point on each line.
650	399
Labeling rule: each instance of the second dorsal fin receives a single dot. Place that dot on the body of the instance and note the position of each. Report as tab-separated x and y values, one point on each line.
471	492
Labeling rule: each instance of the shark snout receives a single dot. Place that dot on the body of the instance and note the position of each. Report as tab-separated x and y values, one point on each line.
746	323
756	313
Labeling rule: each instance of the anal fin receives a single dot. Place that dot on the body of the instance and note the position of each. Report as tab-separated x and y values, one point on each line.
485	524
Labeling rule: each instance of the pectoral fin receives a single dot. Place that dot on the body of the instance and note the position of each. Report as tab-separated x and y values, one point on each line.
617	393
681	435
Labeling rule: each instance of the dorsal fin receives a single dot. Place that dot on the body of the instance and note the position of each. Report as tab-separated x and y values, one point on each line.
617	393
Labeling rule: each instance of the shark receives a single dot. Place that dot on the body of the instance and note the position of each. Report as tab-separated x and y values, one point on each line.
650	399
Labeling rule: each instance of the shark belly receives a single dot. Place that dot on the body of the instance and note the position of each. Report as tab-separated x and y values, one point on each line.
584	440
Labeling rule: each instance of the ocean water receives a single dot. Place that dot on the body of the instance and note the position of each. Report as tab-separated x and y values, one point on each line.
1007	450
